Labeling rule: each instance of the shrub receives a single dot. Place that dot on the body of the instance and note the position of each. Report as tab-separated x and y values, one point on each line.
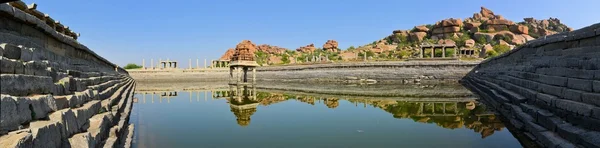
500	49
490	54
261	57
285	59
481	40
132	66
404	54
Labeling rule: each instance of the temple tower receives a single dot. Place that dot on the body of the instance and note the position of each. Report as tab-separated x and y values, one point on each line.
242	62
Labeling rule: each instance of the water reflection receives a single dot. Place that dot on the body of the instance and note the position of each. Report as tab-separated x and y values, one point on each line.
244	101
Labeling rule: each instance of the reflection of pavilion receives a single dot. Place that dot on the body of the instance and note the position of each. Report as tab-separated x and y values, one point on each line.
243	103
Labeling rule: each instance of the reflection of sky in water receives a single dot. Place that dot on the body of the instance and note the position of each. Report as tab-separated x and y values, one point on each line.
278	120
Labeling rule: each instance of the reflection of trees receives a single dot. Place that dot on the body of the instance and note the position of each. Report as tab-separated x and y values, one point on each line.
307	99
266	99
450	115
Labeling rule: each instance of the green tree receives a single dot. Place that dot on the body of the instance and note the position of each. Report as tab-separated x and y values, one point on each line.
350	48
132	66
261	57
285	59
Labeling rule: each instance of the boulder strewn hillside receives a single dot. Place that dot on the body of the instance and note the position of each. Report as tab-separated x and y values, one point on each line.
486	33
483	28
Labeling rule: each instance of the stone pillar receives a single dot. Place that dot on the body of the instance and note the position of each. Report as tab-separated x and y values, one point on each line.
152	63
190	63
245	76
143	63
443	51
197	63
159	63
253	75
422	51
204	63
432	52
230	75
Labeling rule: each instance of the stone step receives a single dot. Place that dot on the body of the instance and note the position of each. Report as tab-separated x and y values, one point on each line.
20	110
100	125
82	114
117	97
17	139
23	85
538	117
81	140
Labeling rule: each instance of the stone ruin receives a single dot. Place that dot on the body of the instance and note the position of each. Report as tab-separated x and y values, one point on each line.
244	51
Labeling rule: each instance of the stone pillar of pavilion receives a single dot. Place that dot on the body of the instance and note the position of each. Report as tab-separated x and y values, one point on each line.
241	62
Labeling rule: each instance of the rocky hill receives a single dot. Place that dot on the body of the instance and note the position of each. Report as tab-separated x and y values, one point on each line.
486	34
482	30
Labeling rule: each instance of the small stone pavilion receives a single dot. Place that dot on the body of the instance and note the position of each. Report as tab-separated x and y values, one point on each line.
433	47
242	62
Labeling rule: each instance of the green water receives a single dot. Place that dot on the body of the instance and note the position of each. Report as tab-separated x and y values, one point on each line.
280	119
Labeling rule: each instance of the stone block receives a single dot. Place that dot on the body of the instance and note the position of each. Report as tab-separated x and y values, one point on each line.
7	66
23	85
590	123
591	139
46	133
596	112
17	139
575	107
581	74
588	42
82	140
19	67
61	102
591	98
26	54
550	122
545	100
596	86
524	117
5	8
66	117
11	51
23	109
580	84
570	132
100	126
572	94
552	80
552	90
42	105
550	139
591	64
85	112
9	119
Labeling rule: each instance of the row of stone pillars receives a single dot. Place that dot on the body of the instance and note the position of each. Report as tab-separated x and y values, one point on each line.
220	63
170	64
239	75
433	47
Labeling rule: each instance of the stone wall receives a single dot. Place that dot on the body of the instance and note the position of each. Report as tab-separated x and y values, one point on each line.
548	88
56	92
392	72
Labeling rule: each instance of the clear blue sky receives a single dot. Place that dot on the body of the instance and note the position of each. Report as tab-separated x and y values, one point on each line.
129	31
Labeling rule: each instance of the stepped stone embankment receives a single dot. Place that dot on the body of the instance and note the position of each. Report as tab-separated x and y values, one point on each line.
548	88
55	92
382	72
